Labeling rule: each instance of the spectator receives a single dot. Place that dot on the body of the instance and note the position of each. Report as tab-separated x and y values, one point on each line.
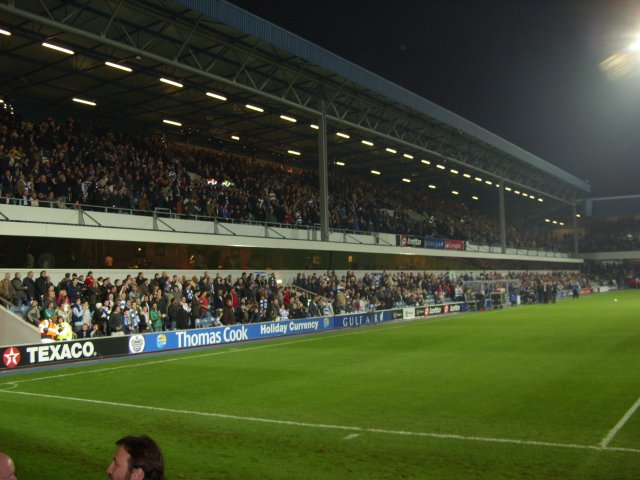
7	467
20	291
137	458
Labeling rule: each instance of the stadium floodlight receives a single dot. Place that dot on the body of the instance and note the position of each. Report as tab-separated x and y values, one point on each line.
406	180
488	182
83	101
288	119
477	179
171	82
540	200
1	101
343	135
441	167
555	222
340	164
172	122
315	127
454	171
58	48
508	189
216	96
294	152
391	150
426	162
497	185
5	32
406	155
367	143
235	137
254	108
561	224
578	215
466	175
517	192
118	66
547	220
455	192
432	187
375	172
475	197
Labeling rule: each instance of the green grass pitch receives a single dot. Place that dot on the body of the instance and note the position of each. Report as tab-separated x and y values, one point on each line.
532	392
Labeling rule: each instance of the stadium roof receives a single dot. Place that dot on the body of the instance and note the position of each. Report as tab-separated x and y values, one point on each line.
216	47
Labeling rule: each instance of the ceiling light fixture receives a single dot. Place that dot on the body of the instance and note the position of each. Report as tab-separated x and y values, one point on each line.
216	96
254	108
58	48
343	135
288	119
83	101
171	122
171	82
118	66
367	143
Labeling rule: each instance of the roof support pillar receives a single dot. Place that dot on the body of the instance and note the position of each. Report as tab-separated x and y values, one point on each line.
323	173
503	221
575	228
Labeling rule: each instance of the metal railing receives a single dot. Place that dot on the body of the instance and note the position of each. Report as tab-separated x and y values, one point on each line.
221	226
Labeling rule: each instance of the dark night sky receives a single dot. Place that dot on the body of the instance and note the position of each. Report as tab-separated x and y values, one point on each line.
526	70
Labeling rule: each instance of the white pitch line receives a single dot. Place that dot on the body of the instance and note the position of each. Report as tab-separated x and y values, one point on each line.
614	431
223	351
351	436
441	436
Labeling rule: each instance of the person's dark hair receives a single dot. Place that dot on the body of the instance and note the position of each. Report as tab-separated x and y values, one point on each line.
145	454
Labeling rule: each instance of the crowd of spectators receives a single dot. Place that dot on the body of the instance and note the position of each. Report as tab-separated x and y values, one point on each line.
59	164
610	235
85	306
